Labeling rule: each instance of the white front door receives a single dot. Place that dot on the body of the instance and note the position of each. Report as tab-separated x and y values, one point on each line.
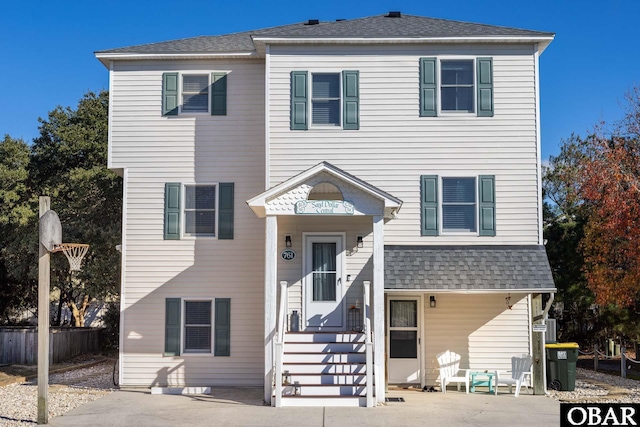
403	340
323	284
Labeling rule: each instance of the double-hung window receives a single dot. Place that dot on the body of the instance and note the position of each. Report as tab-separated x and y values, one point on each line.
191	93
195	93
200	326
197	326
325	99
456	85
457	205
200	210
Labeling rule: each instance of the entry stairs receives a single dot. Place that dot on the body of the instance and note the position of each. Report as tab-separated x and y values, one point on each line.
324	369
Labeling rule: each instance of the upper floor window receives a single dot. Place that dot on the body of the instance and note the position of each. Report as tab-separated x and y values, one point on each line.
195	93
455	86
458	205
190	93
200	210
325	100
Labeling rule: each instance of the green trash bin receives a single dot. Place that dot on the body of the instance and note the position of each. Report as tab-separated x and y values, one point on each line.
561	365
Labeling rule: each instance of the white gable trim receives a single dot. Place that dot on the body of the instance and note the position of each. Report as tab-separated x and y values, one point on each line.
390	205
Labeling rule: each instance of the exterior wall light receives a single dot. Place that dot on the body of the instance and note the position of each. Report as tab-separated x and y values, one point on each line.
432	301
287	240
359	242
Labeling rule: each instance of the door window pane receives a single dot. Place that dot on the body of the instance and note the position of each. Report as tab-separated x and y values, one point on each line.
403	344
324	271
404	314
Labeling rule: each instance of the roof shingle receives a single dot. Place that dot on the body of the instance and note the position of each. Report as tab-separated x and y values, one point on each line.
475	268
408	26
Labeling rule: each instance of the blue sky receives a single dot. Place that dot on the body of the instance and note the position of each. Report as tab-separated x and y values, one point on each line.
47	47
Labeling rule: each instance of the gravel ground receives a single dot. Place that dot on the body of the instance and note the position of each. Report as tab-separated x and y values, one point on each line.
601	388
68	390
71	389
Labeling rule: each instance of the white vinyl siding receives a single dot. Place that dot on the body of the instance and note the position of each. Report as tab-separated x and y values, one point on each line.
357	262
189	149
395	146
479	327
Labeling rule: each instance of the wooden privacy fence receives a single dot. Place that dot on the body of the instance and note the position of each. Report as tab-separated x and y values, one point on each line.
19	344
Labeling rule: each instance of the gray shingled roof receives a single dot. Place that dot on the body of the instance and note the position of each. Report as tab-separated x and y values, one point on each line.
408	26
475	268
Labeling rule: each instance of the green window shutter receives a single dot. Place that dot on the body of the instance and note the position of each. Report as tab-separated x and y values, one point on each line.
487	205
172	211
485	87
225	210
222	338
170	94
172	320
428	87
429	205
299	100
218	94
351	101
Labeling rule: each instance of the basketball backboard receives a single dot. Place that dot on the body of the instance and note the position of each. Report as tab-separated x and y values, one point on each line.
50	230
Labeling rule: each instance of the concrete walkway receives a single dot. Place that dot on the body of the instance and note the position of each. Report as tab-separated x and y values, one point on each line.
243	407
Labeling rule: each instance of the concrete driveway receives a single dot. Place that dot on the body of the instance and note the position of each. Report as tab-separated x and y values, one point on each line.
243	407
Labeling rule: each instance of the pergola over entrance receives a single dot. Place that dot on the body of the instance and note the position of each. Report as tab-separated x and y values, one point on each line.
324	191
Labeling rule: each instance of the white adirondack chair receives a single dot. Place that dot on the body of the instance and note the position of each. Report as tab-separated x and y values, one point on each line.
450	371
520	366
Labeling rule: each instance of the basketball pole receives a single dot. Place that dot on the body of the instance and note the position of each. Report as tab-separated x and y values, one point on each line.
44	272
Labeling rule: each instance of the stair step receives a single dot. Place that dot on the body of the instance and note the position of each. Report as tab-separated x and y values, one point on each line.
329	379
352	337
323	401
336	390
324	347
324	368
342	357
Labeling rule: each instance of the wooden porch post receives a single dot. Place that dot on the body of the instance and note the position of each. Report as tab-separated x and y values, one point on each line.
378	306
537	346
270	294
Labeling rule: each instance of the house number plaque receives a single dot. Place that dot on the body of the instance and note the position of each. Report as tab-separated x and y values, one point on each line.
288	255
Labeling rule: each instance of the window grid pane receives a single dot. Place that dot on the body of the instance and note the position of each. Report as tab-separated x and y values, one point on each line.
459	204
200	212
325	99
195	93
197	326
457	86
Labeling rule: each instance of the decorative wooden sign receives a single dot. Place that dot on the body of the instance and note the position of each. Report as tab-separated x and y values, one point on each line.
323	207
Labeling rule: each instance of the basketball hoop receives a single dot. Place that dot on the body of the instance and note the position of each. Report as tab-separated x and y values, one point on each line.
74	252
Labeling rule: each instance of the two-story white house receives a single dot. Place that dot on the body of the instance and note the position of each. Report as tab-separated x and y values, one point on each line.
322	208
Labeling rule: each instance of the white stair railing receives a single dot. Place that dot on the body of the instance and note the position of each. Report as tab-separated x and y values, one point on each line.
368	341
279	344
